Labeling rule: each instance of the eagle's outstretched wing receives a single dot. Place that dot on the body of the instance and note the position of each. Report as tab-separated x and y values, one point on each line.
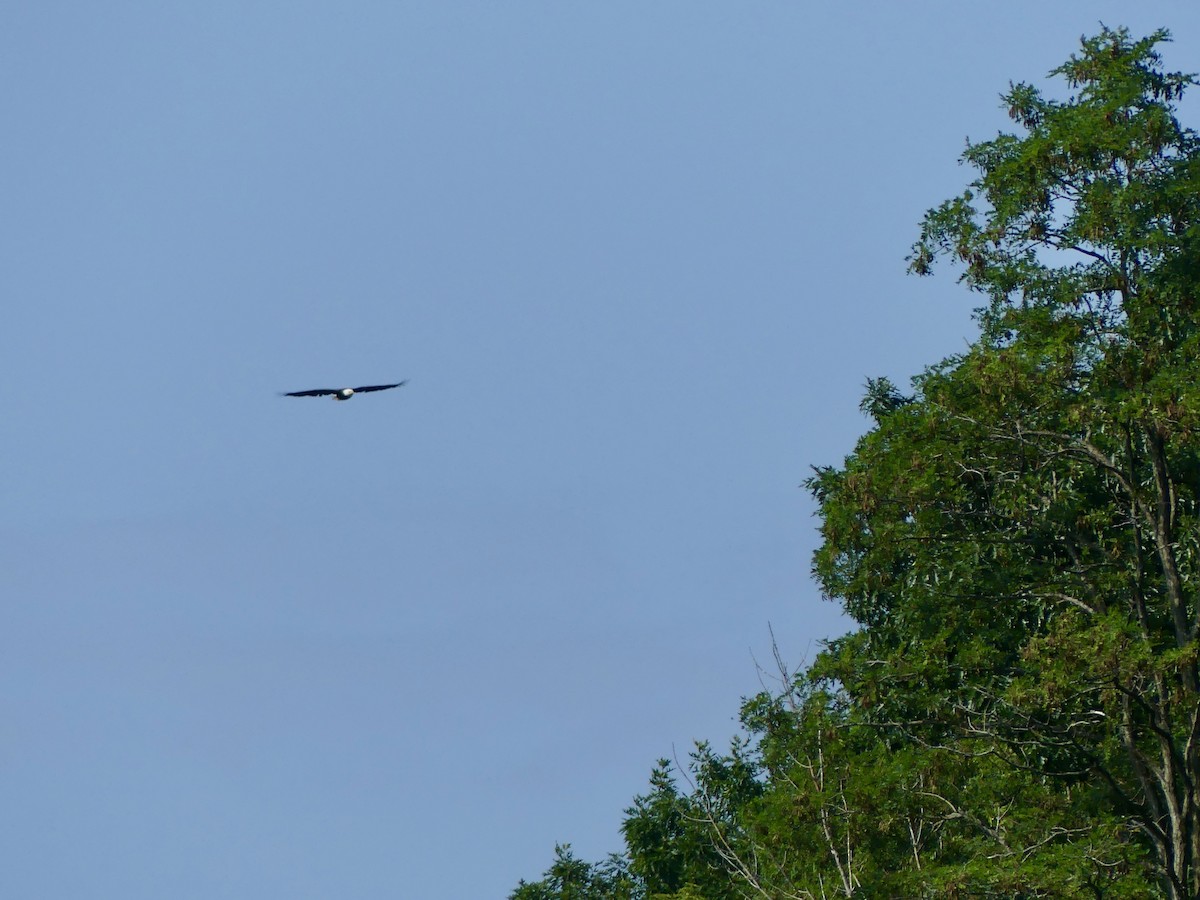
319	392
366	389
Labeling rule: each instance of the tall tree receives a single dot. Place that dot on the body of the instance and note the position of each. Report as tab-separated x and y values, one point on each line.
1019	538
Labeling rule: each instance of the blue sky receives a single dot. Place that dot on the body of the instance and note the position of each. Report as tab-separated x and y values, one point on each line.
636	259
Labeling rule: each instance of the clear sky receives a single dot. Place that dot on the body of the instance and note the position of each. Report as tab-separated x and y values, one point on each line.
636	259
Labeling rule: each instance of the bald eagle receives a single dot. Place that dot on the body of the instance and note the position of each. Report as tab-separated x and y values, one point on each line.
345	393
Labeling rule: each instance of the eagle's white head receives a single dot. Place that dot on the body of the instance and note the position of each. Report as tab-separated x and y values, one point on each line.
344	394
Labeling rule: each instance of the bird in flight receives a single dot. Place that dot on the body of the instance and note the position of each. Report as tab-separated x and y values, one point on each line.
345	393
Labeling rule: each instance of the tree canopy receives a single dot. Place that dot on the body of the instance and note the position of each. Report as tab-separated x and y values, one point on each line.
1017	537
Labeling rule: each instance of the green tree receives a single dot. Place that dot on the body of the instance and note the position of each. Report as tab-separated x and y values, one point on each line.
1017	714
569	878
1018	539
857	808
683	845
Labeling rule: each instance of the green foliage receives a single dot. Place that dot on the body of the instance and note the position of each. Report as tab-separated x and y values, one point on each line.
1017	714
569	878
1017	540
669	835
